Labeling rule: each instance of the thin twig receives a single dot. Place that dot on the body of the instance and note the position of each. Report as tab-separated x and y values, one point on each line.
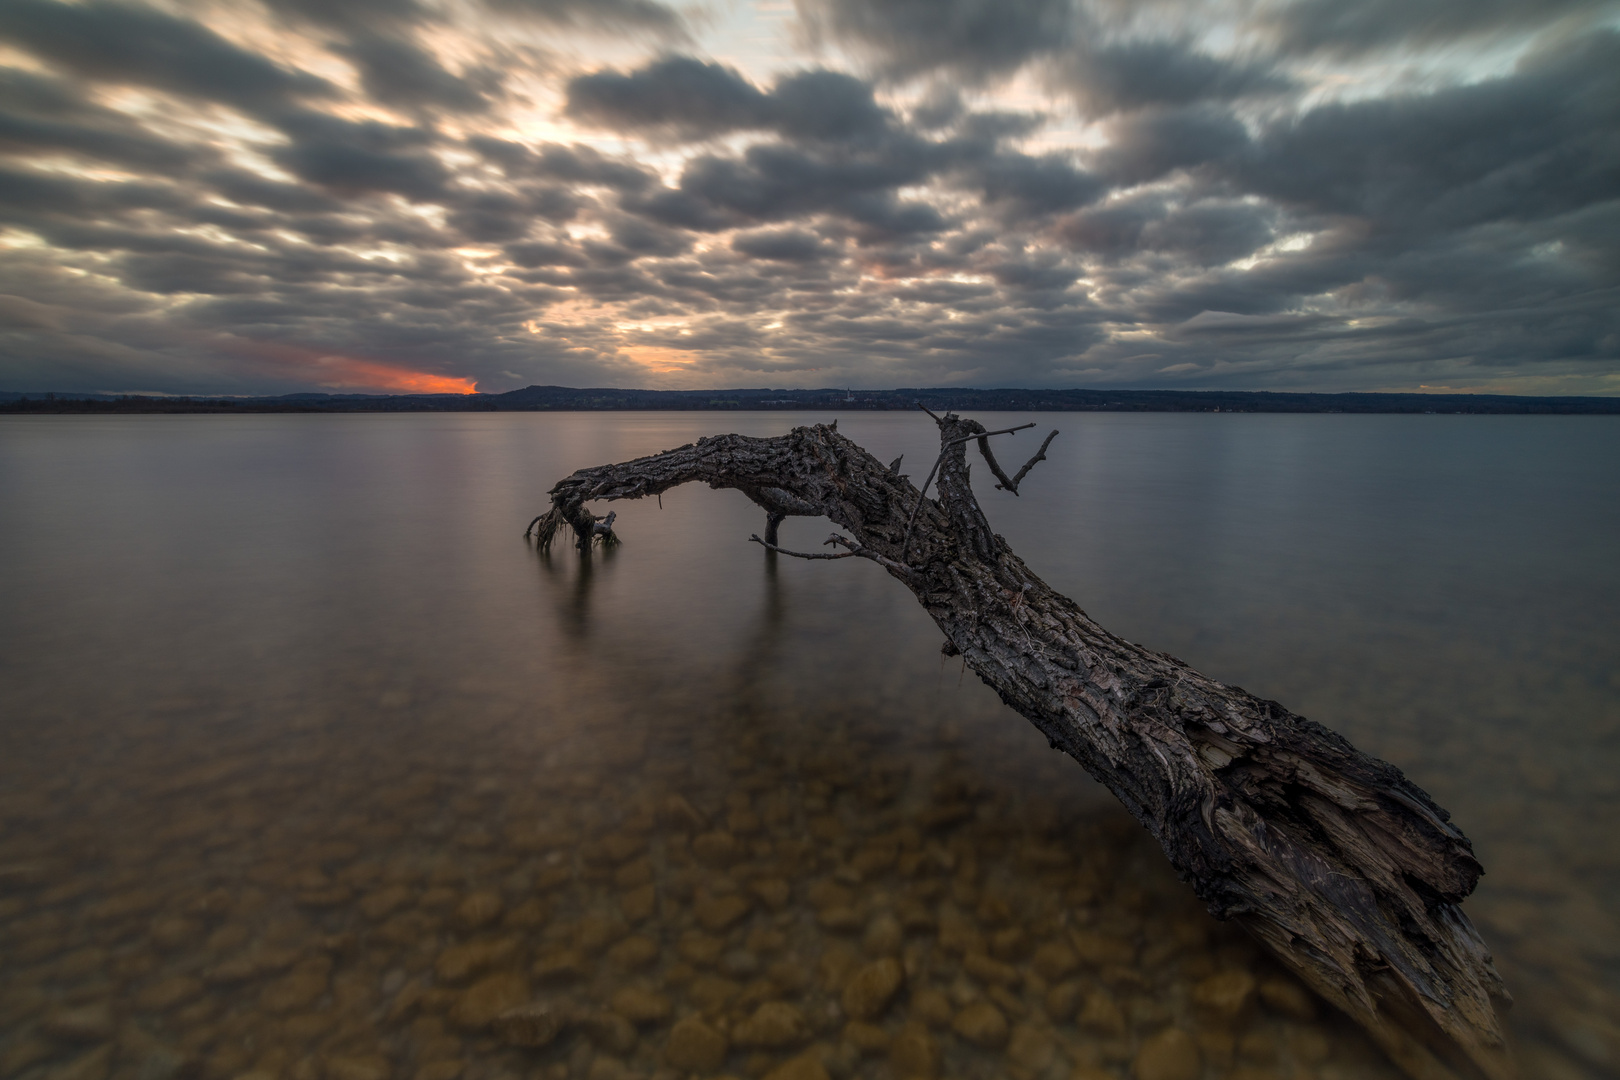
800	554
987	434
854	550
924	408
921	495
868	553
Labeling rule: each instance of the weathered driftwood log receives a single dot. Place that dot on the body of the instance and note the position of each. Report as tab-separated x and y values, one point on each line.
1347	871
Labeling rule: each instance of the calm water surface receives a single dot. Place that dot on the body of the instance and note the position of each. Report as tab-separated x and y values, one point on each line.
311	768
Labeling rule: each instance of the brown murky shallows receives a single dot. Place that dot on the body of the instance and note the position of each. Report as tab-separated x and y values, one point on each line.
312	769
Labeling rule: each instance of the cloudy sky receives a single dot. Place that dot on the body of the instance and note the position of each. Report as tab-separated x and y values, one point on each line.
263	196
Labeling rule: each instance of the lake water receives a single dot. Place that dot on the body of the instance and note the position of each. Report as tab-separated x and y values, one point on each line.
310	765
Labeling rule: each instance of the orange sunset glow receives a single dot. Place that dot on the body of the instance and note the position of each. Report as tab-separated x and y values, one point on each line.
370	375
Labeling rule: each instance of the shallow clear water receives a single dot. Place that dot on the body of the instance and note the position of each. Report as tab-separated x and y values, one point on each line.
309	764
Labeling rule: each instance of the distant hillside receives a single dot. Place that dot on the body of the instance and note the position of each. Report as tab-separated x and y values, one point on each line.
570	399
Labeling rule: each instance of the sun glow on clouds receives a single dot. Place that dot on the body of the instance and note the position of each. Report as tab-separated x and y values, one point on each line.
658	360
348	373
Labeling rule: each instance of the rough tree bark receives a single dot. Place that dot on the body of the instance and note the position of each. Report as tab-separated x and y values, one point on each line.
1348	872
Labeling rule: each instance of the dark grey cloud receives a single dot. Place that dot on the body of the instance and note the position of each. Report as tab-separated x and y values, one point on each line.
1312	25
975	39
606	14
494	216
776	181
43	115
1544	140
397	72
681	94
826	105
122	43
1213	233
578	164
254	189
839	152
691	98
70	199
1202	234
533	253
1024	185
1131	74
1146	145
364	15
347	156
782	245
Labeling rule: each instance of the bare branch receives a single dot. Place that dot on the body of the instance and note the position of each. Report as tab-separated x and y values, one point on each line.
1040	455
921	498
802	554
995	466
987	434
868	553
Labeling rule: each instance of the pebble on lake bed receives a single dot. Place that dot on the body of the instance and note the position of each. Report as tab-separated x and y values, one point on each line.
869	991
774	1025
803	1067
480	909
932	1007
1102	1015
640	1005
635	951
488	998
86	1024
868	1038
717	913
533	1025
982	1024
93	1065
1170	1055
357	1068
1225	995
694	1046
914	1053
1289	998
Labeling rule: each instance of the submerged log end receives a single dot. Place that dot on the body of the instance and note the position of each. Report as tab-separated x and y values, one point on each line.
1353	877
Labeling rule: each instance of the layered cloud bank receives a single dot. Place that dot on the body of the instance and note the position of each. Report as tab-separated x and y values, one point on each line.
424	196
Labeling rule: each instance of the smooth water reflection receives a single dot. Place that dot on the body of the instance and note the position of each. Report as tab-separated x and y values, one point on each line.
310	766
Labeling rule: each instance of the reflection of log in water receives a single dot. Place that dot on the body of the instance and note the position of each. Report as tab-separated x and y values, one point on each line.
576	611
1346	870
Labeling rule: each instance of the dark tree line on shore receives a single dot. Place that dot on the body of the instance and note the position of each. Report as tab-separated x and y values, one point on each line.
569	399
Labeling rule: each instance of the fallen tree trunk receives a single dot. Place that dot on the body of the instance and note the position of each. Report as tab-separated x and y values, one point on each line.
1348	872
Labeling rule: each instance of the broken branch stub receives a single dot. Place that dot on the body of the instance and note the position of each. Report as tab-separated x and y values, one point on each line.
1345	870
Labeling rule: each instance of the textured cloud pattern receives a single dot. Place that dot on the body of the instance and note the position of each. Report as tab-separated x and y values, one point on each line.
365	195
